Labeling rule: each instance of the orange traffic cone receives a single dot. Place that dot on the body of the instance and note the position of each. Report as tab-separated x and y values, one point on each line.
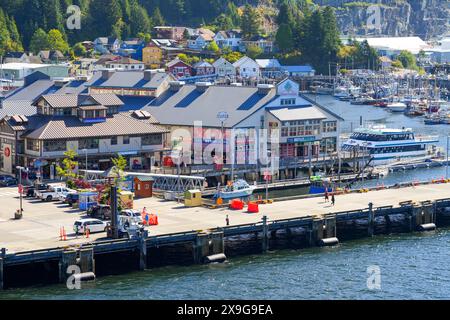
64	234
60	234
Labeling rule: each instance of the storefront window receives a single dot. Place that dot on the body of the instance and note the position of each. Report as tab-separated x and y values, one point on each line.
33	145
55	146
151	140
330	126
84	144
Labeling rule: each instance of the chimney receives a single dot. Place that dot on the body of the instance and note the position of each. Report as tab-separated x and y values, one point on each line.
148	75
202	86
264	89
175	86
106	74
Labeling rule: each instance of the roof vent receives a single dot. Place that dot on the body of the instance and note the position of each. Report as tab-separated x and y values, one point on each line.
203	86
176	85
148	74
142	115
106	74
264	88
20	119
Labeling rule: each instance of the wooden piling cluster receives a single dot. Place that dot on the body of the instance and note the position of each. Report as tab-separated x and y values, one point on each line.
206	246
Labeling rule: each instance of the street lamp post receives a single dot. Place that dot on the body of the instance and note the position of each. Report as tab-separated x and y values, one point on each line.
446	166
86	164
20	189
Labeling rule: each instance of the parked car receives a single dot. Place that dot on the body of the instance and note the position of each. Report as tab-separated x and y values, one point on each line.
63	196
72	198
132	216
94	225
6	181
101	211
30	191
53	193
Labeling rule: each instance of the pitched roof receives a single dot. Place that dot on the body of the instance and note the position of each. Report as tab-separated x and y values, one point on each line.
221	61
132	79
75	100
243	60
126	60
298	113
175	61
268	63
68	127
202	64
305	68
189	105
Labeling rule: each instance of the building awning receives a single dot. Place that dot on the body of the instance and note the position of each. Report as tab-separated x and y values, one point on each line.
128	153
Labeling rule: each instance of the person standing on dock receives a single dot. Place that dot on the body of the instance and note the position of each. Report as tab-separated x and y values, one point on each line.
227	220
332	200
326	195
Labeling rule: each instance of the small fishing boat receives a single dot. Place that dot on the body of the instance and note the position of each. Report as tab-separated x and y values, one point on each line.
237	189
432	119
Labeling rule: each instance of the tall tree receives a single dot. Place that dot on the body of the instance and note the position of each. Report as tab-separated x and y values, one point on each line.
158	18
250	22
39	41
56	41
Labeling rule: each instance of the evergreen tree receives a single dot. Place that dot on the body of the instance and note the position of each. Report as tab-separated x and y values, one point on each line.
157	18
284	38
250	22
140	21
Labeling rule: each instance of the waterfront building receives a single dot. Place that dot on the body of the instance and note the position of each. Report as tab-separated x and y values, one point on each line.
179	68
18	71
392	46
202	68
247	68
89	124
146	83
306	129
224	68
106	45
299	71
270	68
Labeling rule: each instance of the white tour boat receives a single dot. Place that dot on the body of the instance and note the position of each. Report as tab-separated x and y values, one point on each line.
388	145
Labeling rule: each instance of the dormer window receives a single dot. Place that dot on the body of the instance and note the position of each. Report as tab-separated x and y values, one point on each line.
92	114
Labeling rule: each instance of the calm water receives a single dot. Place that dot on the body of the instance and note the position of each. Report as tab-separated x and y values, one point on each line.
413	266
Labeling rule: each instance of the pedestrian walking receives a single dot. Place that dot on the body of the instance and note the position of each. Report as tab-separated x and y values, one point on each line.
227	220
326	196
332	199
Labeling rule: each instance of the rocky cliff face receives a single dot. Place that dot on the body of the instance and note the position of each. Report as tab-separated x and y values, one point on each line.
425	18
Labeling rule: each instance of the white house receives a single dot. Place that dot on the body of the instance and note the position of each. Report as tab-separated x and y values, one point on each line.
228	39
224	68
125	64
247	68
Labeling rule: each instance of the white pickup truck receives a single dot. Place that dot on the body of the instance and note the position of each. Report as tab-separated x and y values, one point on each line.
53	193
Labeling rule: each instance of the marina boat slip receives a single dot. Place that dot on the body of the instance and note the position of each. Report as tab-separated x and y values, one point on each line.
387	145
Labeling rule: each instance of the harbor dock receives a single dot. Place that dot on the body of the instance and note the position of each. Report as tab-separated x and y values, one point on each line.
33	253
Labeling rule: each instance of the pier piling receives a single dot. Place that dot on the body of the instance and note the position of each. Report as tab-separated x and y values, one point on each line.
68	258
201	247
371	221
1	274
265	235
142	246
87	263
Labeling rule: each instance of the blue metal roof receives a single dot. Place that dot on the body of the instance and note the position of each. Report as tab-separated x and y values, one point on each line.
298	68
251	101
191	97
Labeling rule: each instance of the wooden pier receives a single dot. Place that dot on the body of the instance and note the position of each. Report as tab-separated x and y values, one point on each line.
198	235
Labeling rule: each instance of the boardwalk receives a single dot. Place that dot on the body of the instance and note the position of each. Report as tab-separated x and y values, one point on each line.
40	226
